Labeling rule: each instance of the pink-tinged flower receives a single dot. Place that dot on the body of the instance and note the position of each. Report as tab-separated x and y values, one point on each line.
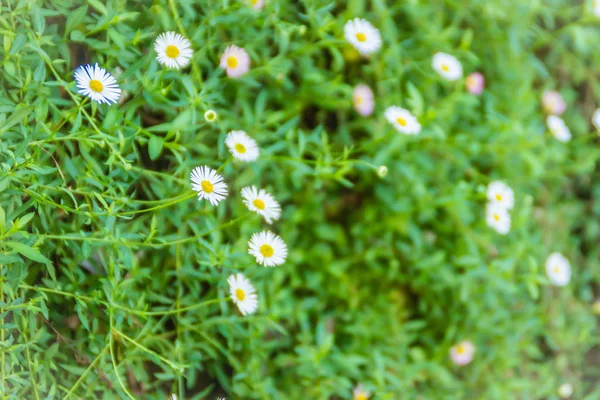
462	353
475	83
257	4
553	103
235	61
362	98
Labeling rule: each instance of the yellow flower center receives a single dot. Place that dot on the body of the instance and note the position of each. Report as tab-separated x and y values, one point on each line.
445	68
358	100
460	349
556	269
96	85
361	37
172	51
210	115
496	217
232	62
266	250
499	197
239	293
401	121
258	203
207	187
240	148
254	2
361	396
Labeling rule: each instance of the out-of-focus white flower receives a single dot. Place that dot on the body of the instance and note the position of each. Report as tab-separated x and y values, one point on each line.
359	393
565	390
553	103
462	353
447	66
558	269
403	120
596	118
475	83
363	36
235	61
558	128
362	98
243	294
497	218
242	146
501	194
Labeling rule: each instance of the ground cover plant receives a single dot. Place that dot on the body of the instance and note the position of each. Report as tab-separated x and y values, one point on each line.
299	199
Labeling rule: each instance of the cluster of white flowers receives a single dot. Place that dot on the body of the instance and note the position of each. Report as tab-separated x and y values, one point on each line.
501	200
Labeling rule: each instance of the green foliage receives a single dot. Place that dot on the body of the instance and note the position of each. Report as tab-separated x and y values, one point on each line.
113	276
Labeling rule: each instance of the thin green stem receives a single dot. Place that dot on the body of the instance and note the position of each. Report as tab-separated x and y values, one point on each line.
88	369
176	367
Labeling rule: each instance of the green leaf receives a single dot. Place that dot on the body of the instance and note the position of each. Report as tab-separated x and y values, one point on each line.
18	44
75	18
17	117
29	252
155	145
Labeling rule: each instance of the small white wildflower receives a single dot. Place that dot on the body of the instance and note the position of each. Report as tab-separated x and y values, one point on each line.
268	249
558	269
403	120
262	203
382	171
235	61
553	102
242	146
462	353
558	128
363	36
597	8
243	294
596	118
97	84
501	194
210	116
565	390
362	98
497	218
447	66
257	4
359	393
173	50
208	184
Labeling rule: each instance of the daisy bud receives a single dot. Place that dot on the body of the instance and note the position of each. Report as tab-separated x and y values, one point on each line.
475	83
565	390
210	116
382	171
553	103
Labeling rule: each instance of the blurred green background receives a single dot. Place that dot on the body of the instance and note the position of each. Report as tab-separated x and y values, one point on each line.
383	275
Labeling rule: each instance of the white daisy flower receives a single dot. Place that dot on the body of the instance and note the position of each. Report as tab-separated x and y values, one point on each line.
97	84
242	146
243	294
362	98
501	194
447	66
497	218
359	393
173	50
363	36
596	118
208	184
558	269
565	390
558	128
553	102
597	8
403	120
235	61
462	353
262	203
257	4
210	116
268	249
